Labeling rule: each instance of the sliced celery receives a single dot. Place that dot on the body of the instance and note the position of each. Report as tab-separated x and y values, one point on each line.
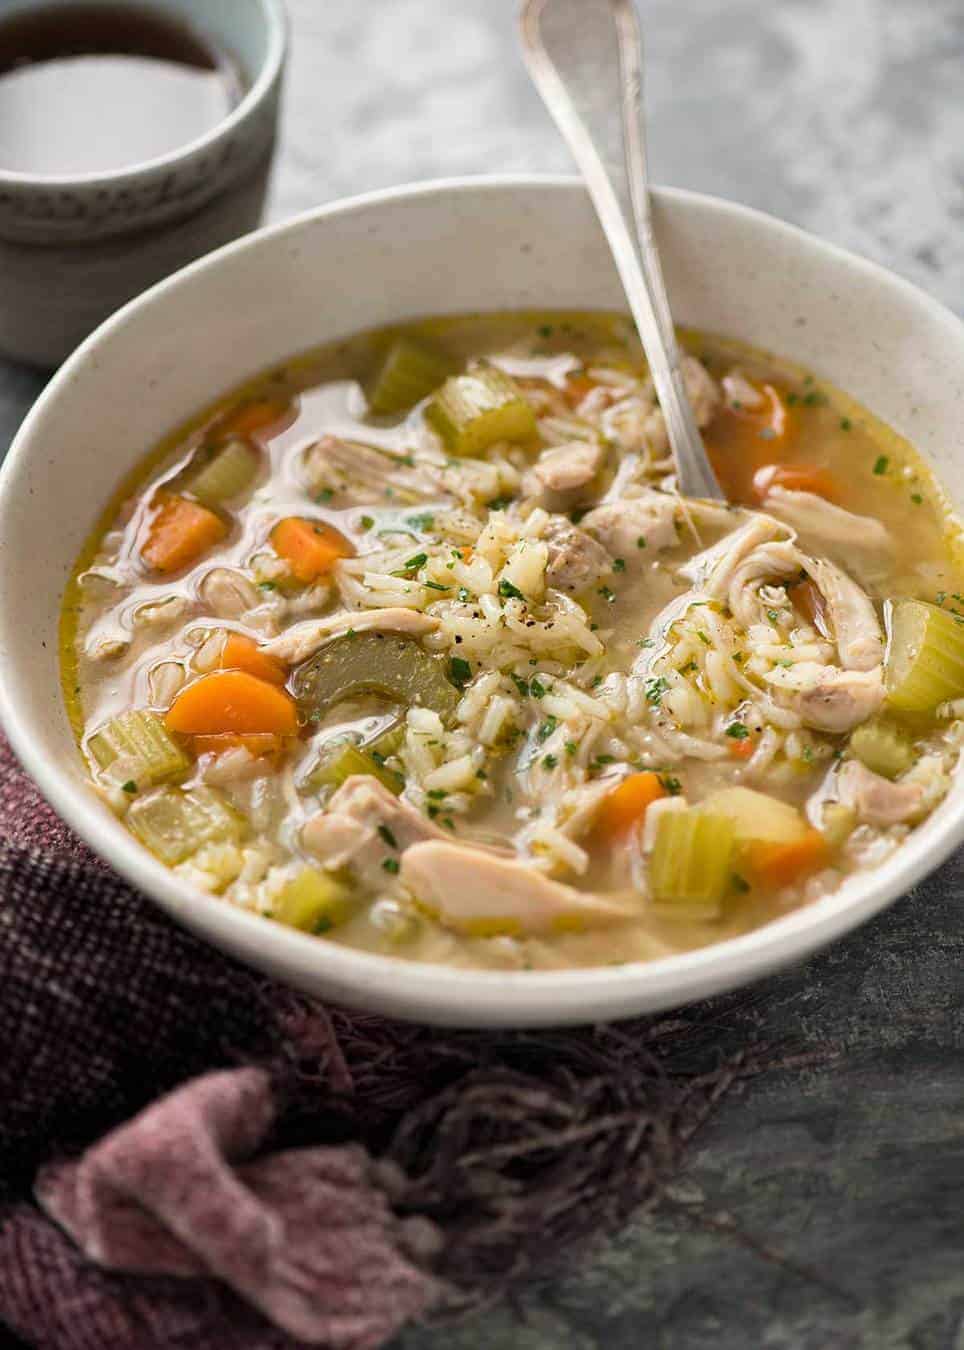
342	760
756	816
174	824
883	747
220	474
380	663
313	901
925	656
142	739
388	742
408	374
473	411
691	863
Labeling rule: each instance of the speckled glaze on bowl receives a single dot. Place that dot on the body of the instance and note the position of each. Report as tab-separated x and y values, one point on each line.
73	249
446	247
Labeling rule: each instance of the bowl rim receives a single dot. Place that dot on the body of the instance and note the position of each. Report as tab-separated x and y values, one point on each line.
269	71
421	990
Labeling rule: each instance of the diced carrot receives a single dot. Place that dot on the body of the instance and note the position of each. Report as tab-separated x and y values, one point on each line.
743	749
243	653
257	744
741	440
253	416
229	702
310	546
179	533
577	387
626	805
795	477
777	865
465	552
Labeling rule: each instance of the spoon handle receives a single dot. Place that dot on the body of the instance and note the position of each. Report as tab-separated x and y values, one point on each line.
585	58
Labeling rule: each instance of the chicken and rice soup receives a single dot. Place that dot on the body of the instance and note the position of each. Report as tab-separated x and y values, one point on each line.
413	643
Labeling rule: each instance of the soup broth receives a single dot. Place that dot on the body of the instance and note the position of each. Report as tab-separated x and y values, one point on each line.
413	644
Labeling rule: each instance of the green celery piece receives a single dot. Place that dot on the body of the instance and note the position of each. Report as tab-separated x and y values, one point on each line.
925	656
409	373
175	824
342	760
883	748
473	411
380	663
220	474
143	738
313	901
691	863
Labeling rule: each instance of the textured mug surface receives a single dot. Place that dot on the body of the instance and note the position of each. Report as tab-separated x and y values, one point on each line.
469	245
73	249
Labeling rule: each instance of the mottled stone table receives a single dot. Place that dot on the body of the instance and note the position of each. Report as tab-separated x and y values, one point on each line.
846	117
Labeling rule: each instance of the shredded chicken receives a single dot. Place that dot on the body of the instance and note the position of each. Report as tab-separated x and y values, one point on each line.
856	630
876	800
302	640
631	524
842	699
362	825
557	478
471	891
576	560
360	474
860	543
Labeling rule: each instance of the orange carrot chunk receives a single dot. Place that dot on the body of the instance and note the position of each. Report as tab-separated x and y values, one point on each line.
741	440
743	749
796	478
179	533
253	416
626	805
310	547
229	702
243	653
777	865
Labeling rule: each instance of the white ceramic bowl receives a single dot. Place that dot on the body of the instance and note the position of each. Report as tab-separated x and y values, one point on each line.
448	247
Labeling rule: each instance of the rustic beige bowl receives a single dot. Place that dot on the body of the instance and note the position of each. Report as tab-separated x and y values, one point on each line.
443	247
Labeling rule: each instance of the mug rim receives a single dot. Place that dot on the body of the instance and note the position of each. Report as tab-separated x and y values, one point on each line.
267	76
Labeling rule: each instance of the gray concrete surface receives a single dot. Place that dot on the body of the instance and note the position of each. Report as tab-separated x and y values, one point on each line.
846	117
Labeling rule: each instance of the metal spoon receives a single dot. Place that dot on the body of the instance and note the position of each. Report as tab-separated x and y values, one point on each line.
585	58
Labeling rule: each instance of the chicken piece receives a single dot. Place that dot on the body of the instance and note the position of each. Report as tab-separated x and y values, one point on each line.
353	830
859	543
576	560
876	800
739	393
557	478
302	640
842	699
481	894
713	569
620	525
853	620
703	393
359	475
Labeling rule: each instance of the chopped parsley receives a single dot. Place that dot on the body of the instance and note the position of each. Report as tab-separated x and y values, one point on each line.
129	786
773	616
436	794
386	834
702	637
267	586
880	465
536	688
739	884
916	498
619	564
463	594
737	731
498	503
425	521
521	685
367	522
436	586
546	728
672	785
325	495
656	686
508	591
390	865
608	595
641	541
845	424
460	671
550	761
571	747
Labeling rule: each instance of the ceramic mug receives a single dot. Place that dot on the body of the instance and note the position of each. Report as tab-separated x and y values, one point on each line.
72	250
